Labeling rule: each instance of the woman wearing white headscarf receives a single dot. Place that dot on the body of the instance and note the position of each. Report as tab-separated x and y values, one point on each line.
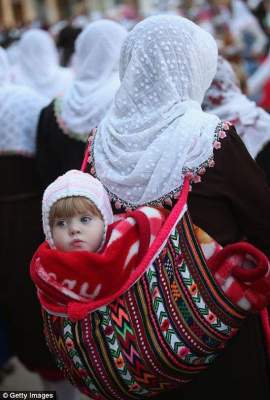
38	65
66	123
153	136
225	99
21	231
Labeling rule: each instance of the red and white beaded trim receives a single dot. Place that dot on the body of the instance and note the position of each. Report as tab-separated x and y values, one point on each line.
220	133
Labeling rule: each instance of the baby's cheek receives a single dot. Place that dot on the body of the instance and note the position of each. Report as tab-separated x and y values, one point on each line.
59	239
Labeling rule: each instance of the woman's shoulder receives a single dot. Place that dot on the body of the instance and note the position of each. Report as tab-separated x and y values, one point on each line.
231	167
231	151
49	109
47	114
57	111
47	125
51	116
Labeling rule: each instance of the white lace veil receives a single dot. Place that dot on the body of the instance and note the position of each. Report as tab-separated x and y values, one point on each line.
96	62
38	65
225	99
156	129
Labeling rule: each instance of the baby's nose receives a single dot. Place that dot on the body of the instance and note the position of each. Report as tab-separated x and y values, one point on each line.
74	228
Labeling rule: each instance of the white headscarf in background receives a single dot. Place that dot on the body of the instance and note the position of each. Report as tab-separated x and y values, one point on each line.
19	112
243	21
38	65
225	99
96	63
4	67
156	129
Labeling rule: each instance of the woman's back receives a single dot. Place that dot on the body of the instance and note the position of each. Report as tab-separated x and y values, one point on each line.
156	134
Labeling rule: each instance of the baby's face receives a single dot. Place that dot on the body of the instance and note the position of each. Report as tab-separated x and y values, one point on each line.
80	232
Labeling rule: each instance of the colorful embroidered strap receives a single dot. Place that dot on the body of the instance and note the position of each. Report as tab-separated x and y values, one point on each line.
167	327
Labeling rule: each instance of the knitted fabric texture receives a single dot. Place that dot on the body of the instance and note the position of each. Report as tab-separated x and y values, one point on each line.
75	183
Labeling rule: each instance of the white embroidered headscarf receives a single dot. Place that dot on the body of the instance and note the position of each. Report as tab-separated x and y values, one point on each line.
96	62
19	112
38	65
225	99
156	129
4	67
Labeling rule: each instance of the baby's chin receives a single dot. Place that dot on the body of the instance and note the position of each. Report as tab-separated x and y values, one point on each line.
76	250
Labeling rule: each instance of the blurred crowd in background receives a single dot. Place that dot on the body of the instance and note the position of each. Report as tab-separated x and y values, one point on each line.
241	28
69	96
59	74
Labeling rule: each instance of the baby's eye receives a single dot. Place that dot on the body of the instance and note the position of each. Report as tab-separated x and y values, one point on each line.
61	223
86	219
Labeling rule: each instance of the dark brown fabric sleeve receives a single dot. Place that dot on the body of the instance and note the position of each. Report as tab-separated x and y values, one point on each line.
232	202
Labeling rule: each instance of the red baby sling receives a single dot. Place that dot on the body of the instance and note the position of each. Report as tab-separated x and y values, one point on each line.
167	323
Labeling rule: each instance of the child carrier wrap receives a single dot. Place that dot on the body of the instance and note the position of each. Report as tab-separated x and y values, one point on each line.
166	324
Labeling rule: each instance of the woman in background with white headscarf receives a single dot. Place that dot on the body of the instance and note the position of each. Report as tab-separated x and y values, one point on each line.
225	99
153	136
21	229
66	123
38	65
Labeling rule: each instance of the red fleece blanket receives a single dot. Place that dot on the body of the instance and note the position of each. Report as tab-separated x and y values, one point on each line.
76	283
243	272
68	281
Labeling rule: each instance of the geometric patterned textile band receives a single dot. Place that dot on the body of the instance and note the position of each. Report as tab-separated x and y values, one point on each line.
169	326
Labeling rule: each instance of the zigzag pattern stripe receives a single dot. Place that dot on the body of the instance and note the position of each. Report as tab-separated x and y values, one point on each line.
131	355
116	354
67	332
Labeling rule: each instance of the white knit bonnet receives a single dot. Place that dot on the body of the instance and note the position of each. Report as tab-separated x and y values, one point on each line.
75	183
